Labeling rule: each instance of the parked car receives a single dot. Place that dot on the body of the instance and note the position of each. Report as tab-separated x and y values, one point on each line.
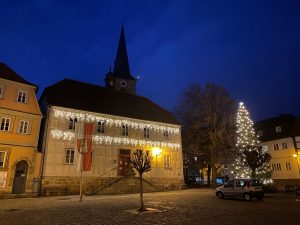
241	188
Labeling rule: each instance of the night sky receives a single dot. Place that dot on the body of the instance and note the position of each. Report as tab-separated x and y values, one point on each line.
252	48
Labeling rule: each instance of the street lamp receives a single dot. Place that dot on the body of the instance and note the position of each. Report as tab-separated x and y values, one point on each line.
297	156
156	152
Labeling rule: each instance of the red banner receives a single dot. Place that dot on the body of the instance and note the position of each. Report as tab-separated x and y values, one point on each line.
87	160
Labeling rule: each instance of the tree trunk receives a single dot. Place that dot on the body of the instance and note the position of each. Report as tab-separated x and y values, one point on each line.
208	174
142	207
253	174
214	176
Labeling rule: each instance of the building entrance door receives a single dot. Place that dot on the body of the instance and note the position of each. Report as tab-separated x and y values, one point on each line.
123	162
20	178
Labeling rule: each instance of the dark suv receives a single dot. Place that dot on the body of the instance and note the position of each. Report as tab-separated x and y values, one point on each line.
241	188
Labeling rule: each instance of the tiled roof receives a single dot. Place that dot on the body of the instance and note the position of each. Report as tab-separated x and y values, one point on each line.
88	97
8	74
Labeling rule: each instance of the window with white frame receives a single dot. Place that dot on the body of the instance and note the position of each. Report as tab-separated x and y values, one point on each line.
69	156
2	159
22	97
278	129
1	91
167	161
276	147
100	127
72	123
5	124
166	134
146	132
124	130
288	166
284	145
24	127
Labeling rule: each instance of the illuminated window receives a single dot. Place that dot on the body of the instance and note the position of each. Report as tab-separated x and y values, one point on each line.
72	123
166	134
167	161
278	129
284	145
69	156
2	159
24	127
100	127
22	97
5	123
146	132
1	91
276	147
124	130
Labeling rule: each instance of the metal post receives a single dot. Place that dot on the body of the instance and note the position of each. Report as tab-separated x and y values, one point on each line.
81	177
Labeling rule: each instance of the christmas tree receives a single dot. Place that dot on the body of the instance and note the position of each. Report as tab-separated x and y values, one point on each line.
251	159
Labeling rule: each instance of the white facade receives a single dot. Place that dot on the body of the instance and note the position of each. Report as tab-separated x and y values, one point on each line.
60	169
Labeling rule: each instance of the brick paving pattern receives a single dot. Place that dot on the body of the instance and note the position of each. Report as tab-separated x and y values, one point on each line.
195	206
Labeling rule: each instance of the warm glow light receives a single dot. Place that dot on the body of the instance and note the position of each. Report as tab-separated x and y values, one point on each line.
156	151
295	155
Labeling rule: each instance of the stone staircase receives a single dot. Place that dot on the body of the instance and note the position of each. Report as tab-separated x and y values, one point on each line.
125	185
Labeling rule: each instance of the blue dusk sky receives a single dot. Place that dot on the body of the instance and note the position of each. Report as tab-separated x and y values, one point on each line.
251	48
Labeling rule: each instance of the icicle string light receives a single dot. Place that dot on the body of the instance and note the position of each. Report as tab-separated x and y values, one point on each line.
117	122
101	139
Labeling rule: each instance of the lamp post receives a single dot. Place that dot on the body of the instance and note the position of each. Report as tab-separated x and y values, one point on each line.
297	156
82	151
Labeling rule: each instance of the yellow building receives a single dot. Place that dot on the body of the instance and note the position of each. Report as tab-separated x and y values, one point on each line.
279	136
20	119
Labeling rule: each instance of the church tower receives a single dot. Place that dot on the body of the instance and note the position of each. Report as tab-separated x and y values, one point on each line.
120	78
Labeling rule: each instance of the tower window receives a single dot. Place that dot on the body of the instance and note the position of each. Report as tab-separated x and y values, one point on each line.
166	134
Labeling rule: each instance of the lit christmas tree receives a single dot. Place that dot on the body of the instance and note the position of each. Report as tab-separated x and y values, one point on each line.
251	160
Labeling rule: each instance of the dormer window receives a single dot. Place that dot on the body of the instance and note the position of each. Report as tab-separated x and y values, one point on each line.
72	123
259	133
278	129
22	97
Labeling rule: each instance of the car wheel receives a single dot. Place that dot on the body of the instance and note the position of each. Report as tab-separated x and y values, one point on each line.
220	195
247	197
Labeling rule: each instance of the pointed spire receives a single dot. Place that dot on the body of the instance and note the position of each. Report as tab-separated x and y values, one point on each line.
121	65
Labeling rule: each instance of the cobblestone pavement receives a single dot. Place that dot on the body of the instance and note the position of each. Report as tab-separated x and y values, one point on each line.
195	206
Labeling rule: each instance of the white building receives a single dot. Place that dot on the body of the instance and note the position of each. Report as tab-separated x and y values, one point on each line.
122	122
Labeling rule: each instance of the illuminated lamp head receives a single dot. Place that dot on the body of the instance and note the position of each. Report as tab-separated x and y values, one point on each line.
156	151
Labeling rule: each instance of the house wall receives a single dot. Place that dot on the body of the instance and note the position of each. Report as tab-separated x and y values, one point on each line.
105	156
17	146
285	170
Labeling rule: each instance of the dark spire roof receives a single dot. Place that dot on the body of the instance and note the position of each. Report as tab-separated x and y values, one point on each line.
8	74
121	65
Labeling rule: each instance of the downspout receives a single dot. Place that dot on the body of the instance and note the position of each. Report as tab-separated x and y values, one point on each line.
44	148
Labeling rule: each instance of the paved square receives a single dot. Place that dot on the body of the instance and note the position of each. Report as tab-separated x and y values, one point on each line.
195	206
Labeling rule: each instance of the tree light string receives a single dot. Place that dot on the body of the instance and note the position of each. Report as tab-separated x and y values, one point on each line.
109	140
64	114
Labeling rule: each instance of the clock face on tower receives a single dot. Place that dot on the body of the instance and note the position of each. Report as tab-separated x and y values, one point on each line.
123	83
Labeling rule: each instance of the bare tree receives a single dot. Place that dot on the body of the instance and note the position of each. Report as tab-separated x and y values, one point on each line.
142	163
207	115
